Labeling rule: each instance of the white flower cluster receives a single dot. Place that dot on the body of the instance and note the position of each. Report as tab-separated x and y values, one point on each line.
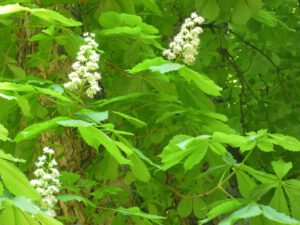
46	182
84	69
186	43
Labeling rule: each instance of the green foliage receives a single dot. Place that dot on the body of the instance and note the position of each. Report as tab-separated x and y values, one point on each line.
163	143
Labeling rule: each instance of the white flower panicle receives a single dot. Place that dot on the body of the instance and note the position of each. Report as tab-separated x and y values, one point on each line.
186	42
46	180
84	69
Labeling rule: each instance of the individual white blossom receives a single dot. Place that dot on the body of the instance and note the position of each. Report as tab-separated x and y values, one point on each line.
186	42
46	180
84	72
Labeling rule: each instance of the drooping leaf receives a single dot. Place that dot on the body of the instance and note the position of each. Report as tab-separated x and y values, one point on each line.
54	18
241	13
139	169
135	211
198	154
35	129
165	68
248	211
224	207
287	142
203	82
281	168
246	185
231	139
146	64
12	8
45	220
136	122
96	137
278	217
14	216
15	181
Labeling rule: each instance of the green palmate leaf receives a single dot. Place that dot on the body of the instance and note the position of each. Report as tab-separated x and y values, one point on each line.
73	123
165	68
223	207
180	147
52	93
198	154
54	18
217	148
208	9
24	106
287	142
146	64
261	176
12	8
172	153
114	19
139	169
3	133
255	4
241	13
231	139
266	18
273	215
14	216
135	211
292	189
9	86
7	97
281	168
26	205
185	207
269	19
260	190
265	145
15	181
9	157
152	6
50	16
246	185
93	116
45	220
90	137
136	122
145	158
202	82
79	198
95	137
126	149
121	99
249	211
132	31
279	201
118	21
35	129
1	189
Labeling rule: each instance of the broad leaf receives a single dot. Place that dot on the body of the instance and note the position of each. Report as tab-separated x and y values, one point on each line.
275	216
202	82
96	137
249	211
15	181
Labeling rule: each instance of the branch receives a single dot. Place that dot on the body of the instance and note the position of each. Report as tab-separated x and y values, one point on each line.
255	48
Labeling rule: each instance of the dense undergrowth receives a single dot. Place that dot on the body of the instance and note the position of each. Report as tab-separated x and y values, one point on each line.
149	112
